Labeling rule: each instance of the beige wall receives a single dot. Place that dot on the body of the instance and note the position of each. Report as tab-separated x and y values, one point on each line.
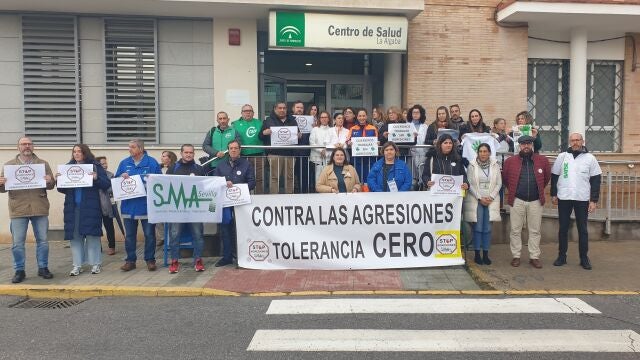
457	54
631	119
235	69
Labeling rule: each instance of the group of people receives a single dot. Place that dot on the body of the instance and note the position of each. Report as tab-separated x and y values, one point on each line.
574	177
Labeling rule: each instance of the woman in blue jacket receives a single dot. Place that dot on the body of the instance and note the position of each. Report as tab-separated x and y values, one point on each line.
389	174
83	214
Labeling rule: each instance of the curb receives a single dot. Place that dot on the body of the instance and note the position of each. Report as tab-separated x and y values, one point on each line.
74	292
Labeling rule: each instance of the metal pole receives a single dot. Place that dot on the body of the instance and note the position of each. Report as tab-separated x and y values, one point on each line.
607	226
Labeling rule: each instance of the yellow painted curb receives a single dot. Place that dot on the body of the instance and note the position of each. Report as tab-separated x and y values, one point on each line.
570	292
353	292
135	291
179	291
482	292
216	292
526	292
438	292
615	292
395	292
310	293
269	294
13	290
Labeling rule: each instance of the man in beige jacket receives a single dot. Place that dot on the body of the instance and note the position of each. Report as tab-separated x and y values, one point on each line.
29	205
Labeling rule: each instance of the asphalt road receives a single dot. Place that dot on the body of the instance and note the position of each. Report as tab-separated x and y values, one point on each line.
225	327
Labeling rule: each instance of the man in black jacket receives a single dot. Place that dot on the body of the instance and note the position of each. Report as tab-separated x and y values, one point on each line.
186	166
281	161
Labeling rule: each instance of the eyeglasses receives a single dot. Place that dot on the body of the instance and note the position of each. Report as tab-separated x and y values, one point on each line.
26	144
247	110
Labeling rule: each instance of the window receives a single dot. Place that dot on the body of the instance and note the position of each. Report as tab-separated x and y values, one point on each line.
51	79
604	105
131	79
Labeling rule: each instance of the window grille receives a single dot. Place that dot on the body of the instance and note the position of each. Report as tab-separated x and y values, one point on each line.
51	79
604	105
131	79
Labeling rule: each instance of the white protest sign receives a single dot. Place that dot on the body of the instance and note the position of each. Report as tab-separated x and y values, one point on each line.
364	146
185	199
305	123
238	194
349	231
472	141
74	176
402	132
27	176
129	188
284	135
446	184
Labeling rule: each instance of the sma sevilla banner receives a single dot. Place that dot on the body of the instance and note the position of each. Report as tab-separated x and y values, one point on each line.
185	199
349	231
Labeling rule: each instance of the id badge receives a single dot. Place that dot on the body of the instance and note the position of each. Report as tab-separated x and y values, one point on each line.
392	185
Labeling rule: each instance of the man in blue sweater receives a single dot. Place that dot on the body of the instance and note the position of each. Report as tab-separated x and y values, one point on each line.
139	163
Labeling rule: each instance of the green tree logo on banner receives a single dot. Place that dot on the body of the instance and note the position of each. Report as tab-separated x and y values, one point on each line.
290	29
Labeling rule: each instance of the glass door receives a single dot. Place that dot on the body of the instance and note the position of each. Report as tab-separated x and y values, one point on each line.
272	90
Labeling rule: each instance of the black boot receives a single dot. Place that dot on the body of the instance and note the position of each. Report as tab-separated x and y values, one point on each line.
477	258
485	257
561	260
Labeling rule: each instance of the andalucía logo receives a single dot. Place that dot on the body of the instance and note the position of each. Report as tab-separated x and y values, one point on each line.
290	29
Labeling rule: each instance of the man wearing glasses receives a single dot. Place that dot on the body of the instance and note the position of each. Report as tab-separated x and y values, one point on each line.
29	205
248	129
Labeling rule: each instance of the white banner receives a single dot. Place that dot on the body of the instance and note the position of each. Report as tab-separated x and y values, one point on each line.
74	176
236	195
364	146
305	123
27	176
298	30
349	231
185	199
284	135
129	188
402	132
446	184
471	141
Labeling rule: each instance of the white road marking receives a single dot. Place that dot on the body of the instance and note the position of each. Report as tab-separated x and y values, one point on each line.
543	340
432	306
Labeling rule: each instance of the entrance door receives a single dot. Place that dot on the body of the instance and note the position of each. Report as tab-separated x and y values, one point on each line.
272	90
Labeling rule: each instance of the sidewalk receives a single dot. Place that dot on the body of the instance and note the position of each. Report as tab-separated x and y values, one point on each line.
615	269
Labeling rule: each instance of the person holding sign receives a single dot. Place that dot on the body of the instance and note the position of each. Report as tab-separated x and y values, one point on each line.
524	126
481	205
442	121
134	210
186	166
387	131
83	213
389	174
475	124
363	129
444	160
27	205
339	176
281	161
236	170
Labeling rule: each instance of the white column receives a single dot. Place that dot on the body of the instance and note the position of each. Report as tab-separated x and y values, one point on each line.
392	79
578	81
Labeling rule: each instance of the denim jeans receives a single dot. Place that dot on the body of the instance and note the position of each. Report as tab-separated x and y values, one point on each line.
176	231
131	233
86	247
18	229
482	229
228	236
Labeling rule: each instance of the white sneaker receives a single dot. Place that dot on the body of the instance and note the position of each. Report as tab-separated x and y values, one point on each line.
75	271
96	269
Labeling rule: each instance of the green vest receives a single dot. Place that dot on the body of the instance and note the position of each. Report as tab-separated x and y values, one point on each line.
248	131
220	140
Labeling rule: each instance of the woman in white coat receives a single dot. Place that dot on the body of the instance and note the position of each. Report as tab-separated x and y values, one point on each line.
325	136
482	203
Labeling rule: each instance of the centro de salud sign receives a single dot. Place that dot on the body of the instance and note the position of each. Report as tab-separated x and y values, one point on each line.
311	31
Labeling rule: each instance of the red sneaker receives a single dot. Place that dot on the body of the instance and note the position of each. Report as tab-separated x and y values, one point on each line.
174	266
199	265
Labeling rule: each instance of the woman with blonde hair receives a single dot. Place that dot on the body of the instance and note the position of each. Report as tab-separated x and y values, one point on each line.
378	117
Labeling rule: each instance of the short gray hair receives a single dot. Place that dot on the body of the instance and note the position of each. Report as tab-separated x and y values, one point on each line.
139	142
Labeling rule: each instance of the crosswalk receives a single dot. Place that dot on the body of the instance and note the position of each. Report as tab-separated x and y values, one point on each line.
440	340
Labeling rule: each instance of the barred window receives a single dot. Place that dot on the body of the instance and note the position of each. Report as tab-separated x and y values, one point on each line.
604	105
51	79
131	79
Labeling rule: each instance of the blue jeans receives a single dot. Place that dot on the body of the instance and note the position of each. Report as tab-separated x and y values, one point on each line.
176	231
228	236
85	244
482	229
18	227
131	231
